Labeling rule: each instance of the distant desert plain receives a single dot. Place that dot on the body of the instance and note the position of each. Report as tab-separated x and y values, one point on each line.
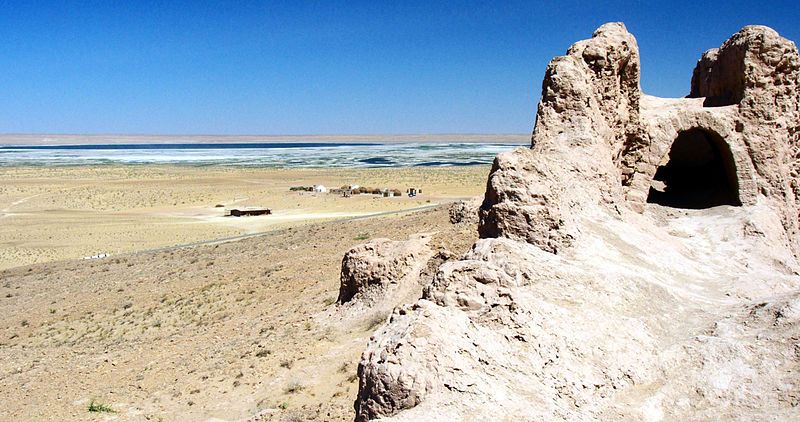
57	213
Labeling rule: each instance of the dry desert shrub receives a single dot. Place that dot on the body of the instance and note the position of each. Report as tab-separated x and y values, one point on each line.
99	407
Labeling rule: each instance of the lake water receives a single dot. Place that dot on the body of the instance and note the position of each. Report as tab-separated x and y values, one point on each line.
254	154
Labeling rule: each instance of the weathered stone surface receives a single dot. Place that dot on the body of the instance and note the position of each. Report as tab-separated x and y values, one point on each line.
464	212
758	71
582	301
588	114
514	332
381	263
755	64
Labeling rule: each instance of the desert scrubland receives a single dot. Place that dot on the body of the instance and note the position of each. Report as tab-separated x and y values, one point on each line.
235	331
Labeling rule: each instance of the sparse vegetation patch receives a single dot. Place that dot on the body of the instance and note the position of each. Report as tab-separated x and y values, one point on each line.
99	407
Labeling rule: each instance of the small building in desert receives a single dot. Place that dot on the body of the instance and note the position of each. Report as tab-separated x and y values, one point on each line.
344	191
248	211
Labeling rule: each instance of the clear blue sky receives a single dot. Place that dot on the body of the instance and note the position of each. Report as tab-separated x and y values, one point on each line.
300	67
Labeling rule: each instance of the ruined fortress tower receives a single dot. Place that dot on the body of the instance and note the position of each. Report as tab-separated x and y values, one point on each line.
734	140
638	262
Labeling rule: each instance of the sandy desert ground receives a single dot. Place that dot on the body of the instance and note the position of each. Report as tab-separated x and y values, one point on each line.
57	213
226	330
222	331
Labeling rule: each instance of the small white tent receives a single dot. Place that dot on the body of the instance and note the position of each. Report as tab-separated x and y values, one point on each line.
320	189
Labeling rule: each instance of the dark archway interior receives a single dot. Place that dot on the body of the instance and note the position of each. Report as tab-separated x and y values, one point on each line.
700	173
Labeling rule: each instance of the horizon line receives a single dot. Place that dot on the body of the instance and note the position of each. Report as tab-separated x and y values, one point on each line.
4	134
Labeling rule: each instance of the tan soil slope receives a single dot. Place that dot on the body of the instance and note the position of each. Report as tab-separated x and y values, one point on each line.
227	331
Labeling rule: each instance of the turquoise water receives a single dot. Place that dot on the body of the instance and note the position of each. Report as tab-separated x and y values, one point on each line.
273	154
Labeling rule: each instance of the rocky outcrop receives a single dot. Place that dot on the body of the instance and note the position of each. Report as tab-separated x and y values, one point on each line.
514	332
464	212
369	269
590	296
588	114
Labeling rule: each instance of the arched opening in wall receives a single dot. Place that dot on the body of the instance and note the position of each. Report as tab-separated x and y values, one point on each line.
700	173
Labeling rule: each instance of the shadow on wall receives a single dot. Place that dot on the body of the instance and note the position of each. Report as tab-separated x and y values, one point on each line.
700	173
